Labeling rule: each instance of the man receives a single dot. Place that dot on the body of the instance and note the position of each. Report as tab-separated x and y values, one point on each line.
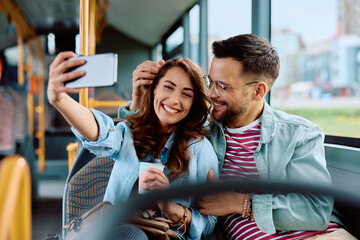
252	140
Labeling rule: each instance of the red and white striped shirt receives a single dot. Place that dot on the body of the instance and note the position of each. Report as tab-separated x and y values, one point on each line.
239	163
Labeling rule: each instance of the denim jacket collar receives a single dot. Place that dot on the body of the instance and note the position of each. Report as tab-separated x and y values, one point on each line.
268	125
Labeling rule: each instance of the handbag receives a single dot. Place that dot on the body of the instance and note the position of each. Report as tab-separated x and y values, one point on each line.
153	225
85	227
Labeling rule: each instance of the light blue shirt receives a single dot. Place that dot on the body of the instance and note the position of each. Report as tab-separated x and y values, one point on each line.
117	142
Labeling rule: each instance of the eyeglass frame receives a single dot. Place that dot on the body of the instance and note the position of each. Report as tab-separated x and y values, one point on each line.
209	82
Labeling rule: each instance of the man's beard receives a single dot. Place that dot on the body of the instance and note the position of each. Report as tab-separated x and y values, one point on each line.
231	114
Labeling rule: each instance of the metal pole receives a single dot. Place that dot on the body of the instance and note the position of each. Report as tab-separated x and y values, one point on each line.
261	22
186	44
203	44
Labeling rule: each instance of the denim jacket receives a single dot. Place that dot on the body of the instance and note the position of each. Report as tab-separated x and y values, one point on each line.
291	149
117	142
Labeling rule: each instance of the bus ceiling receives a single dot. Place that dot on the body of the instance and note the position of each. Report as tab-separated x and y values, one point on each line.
144	21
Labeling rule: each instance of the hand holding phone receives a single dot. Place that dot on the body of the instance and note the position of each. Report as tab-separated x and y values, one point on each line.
101	71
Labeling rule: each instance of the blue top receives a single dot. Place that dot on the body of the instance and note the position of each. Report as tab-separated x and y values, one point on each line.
117	142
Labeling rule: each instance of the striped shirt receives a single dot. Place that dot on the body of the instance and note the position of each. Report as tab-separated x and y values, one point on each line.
241	144
240	164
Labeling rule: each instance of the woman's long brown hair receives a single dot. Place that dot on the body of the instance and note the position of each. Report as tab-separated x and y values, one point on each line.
144	123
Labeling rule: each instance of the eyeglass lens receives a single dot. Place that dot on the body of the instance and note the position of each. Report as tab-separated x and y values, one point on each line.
209	84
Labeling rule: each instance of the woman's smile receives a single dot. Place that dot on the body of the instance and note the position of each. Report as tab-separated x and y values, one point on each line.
170	110
173	98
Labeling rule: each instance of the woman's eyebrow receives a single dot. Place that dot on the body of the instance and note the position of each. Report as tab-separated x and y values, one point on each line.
188	89
168	81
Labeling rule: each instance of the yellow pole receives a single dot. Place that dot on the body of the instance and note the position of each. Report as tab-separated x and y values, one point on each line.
21	67
87	32
84	42
29	61
41	103
30	108
71	149
30	96
92	27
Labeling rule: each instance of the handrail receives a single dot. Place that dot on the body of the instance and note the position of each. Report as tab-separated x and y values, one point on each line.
23	30
93	103
71	149
41	101
90	27
15	199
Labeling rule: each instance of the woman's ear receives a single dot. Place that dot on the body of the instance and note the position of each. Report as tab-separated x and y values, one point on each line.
260	91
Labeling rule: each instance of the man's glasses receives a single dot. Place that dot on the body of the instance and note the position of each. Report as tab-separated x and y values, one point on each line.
220	88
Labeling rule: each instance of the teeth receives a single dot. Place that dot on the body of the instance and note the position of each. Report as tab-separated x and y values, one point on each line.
216	104
170	110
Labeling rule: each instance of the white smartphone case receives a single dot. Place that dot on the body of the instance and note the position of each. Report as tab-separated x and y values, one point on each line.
101	71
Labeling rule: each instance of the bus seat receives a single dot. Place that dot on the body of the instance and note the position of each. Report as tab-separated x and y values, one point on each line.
83	157
343	164
20	112
7	126
86	188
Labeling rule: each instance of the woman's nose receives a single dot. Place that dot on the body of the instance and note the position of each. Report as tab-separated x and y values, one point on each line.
175	98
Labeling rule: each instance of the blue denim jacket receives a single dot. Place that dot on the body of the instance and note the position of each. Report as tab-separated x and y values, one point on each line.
117	142
291	149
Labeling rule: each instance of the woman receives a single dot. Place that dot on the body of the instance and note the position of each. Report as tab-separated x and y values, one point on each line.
168	126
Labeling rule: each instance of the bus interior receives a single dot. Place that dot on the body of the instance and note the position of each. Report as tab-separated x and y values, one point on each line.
319	80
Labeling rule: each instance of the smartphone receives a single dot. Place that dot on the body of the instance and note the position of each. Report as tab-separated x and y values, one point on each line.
101	71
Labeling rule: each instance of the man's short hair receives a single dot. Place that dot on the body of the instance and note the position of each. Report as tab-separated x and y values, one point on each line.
258	56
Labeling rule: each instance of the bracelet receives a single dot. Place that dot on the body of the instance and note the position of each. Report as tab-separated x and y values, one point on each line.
247	207
182	221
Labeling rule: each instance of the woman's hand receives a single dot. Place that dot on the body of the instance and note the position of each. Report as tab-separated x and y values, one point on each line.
143	75
58	76
153	178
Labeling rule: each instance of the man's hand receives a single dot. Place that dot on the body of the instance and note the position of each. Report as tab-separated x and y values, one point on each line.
143	75
221	204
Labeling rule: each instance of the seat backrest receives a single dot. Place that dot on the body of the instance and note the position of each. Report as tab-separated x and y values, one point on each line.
7	126
86	188
343	164
20	113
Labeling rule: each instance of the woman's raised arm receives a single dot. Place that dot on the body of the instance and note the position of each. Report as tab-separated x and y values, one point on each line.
75	114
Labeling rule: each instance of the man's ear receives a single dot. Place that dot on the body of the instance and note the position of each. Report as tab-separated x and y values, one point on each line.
260	91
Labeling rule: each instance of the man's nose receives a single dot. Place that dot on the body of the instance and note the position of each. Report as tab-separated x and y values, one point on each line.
211	92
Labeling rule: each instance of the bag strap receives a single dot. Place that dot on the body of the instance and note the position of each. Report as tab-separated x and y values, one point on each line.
76	221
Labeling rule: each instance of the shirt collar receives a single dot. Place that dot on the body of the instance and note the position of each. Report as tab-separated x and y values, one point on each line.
170	141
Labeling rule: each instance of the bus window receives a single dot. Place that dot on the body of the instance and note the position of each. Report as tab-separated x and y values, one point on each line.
227	19
194	15
174	41
320	63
